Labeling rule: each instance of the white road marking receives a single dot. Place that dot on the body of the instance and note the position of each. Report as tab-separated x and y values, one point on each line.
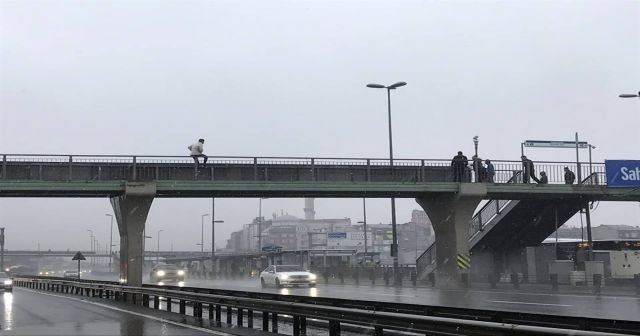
213	332
531	303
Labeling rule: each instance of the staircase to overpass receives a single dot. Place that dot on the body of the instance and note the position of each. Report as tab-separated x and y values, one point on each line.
503	225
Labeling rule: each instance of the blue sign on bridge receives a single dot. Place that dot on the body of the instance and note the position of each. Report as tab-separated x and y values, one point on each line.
623	173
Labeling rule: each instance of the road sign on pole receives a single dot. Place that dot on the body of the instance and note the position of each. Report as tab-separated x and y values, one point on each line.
78	257
555	144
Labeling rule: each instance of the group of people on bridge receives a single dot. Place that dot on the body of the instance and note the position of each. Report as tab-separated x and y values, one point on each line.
485	171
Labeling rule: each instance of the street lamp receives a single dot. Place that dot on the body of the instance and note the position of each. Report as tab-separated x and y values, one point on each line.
213	236
260	222
91	245
591	162
475	144
364	224
214	268
158	247
110	242
629	95
97	251
394	244
202	233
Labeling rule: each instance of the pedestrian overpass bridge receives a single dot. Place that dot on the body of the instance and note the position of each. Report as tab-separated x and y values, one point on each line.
132	182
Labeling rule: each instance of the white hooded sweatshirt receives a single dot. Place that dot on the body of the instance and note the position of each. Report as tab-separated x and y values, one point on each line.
196	148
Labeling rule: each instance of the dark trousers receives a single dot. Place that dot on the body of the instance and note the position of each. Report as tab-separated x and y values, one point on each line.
458	174
197	162
527	174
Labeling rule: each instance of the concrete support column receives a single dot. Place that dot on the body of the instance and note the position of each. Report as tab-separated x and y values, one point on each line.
131	210
451	218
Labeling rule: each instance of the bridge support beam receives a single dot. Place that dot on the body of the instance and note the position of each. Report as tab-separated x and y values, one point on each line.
131	210
451	217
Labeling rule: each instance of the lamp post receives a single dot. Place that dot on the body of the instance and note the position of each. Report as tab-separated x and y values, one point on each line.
260	223
213	237
158	247
144	246
394	244
475	144
590	161
202	233
364	225
91	244
630	95
97	251
110	242
1	249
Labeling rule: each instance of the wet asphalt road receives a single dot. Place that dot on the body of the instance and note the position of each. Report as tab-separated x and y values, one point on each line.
25	312
563	304
608	307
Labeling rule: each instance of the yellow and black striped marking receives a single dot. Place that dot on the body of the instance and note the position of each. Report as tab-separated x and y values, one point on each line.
464	261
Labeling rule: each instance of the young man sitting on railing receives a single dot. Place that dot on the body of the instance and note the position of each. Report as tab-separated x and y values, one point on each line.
197	152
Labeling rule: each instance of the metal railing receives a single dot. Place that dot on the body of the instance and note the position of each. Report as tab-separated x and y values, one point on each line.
376	317
491	209
154	167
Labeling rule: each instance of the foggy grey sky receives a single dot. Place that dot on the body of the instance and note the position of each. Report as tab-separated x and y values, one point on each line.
287	78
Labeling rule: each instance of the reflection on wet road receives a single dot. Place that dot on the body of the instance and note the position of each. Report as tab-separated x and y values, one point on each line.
622	308
24	312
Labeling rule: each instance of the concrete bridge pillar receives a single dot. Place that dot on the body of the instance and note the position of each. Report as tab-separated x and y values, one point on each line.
451	218
131	210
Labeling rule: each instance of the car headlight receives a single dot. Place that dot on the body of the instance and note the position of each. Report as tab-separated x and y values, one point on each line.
160	273
40	273
284	277
8	282
180	272
312	276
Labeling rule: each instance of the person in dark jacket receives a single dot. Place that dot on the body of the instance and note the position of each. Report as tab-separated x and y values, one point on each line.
569	176
458	166
479	169
543	178
528	170
491	171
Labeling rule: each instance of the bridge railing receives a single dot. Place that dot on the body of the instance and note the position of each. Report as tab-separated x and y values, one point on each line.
240	168
491	209
331	314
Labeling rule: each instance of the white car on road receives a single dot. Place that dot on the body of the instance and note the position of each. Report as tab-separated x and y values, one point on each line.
6	282
166	273
286	275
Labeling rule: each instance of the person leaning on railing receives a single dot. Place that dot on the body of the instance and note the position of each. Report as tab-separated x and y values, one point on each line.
491	171
459	164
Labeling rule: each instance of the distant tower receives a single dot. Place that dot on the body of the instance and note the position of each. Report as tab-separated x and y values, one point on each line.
309	209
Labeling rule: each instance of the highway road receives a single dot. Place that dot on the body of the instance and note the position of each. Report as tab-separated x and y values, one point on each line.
26	312
563	304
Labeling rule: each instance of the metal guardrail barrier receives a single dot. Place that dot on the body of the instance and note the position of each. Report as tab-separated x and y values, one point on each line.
375	316
152	167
